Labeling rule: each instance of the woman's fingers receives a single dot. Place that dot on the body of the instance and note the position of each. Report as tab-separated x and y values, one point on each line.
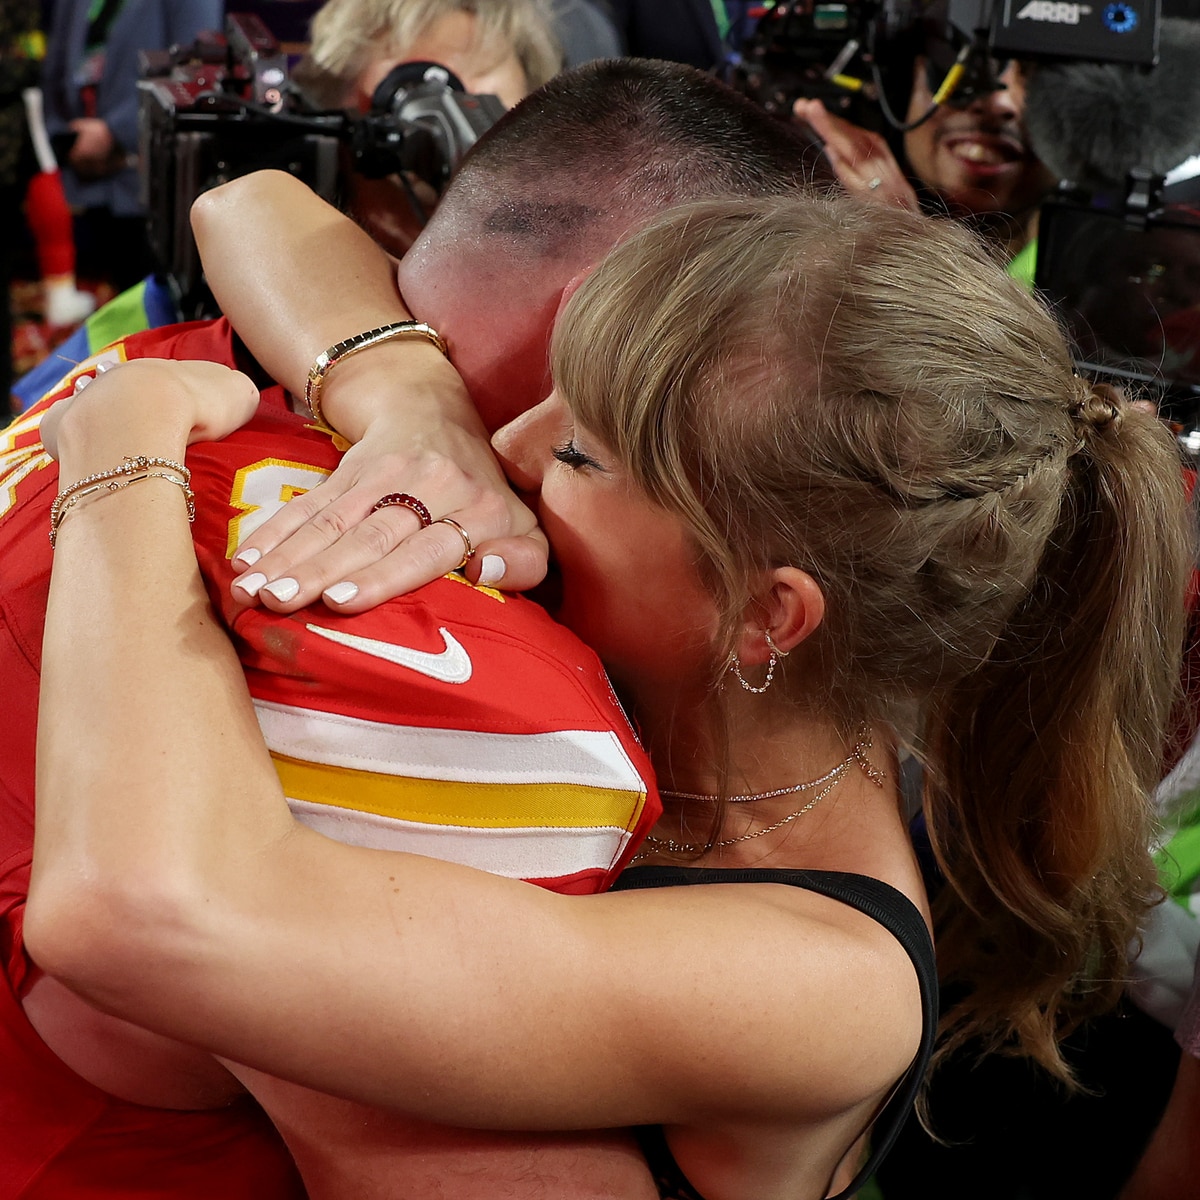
332	543
315	519
512	563
355	555
389	554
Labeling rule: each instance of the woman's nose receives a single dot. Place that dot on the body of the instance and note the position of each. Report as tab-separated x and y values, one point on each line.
523	445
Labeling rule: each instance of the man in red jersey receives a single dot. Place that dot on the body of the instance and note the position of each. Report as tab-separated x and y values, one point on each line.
456	721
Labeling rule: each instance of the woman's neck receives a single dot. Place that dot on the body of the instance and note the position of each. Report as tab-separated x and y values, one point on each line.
774	792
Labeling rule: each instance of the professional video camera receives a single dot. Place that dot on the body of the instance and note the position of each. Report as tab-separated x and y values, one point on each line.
224	107
841	51
1112	107
1119	242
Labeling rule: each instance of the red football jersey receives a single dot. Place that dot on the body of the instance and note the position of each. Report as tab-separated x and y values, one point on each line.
457	722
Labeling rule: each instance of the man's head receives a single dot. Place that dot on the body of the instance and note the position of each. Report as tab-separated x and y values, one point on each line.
556	183
975	156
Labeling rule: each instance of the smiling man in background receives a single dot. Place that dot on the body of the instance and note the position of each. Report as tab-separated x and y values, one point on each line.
970	159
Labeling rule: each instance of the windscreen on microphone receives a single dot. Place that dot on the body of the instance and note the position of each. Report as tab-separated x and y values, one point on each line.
1091	123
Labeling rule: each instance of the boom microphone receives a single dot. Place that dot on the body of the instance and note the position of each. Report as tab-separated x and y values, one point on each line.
1092	123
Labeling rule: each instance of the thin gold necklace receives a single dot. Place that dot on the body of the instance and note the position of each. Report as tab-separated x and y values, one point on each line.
826	783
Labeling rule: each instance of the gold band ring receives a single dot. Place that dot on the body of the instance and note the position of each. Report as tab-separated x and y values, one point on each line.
468	549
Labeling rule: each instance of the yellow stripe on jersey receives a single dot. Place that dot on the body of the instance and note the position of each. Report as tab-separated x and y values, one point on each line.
494	805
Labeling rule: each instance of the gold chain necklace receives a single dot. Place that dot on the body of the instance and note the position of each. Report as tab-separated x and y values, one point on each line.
826	783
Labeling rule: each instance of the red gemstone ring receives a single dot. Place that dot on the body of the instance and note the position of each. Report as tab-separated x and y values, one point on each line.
404	500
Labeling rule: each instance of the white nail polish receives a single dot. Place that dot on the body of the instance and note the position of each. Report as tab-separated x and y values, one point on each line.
283	589
247	558
101	367
340	593
251	584
492	569
81	383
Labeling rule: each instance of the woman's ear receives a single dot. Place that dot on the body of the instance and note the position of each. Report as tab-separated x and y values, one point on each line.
789	609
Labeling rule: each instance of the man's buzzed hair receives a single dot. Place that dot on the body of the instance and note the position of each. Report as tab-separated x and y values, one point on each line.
624	138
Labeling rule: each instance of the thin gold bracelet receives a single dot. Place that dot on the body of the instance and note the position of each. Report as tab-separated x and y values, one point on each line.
130	465
115	481
325	361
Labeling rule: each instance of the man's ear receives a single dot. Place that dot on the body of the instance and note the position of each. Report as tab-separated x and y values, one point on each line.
790	608
572	286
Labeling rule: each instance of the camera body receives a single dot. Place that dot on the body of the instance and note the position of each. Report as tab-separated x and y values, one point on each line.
224	107
1120	259
1123	273
842	51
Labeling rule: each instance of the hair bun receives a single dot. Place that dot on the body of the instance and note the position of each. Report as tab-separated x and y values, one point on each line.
1098	409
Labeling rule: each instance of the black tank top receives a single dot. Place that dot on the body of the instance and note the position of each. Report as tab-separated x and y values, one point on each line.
881	902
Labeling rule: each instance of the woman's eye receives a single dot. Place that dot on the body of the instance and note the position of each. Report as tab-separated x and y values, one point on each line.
571	456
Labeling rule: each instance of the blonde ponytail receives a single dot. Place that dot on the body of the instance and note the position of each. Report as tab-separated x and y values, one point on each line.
1043	760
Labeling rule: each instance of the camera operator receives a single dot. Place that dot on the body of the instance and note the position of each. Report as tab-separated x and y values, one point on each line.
505	50
971	158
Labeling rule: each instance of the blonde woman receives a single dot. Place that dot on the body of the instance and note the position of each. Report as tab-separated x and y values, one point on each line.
809	468
504	48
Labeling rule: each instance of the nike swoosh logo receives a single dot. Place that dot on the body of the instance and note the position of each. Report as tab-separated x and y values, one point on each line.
452	665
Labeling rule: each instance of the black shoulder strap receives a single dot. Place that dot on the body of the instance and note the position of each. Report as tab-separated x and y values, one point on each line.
879	901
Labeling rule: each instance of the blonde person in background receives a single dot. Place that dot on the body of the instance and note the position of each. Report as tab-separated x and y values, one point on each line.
502	48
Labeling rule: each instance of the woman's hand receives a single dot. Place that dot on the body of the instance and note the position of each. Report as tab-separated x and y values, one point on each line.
404	405
862	160
333	543
195	401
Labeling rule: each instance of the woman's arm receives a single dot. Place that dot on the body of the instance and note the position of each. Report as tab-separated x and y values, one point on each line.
295	276
172	887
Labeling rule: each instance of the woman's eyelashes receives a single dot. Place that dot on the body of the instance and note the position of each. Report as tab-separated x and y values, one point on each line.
571	456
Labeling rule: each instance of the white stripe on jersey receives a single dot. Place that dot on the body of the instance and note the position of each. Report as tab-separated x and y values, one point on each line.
590	758
541	853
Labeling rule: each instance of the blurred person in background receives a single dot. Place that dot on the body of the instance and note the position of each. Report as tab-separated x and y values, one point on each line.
18	70
90	84
970	159
502	48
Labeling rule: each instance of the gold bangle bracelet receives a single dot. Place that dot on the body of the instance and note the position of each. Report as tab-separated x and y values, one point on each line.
325	361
